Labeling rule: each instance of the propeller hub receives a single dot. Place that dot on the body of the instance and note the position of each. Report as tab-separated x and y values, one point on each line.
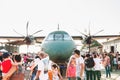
29	39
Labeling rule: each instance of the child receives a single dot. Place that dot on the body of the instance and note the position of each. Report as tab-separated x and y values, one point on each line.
55	72
6	64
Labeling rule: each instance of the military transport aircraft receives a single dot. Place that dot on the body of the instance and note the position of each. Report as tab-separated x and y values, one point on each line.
58	44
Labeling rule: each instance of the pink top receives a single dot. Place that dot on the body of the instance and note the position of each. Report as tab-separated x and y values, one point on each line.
71	72
25	58
107	60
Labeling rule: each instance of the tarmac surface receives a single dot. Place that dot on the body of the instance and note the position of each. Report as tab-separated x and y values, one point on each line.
115	75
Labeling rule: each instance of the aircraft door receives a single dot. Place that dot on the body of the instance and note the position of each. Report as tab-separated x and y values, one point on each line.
112	49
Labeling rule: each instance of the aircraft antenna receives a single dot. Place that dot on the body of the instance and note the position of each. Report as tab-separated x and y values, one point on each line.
58	27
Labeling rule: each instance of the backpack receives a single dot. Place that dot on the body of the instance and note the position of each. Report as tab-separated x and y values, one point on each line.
89	63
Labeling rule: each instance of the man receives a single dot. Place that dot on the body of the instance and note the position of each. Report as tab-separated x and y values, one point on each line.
106	63
111	60
34	67
40	71
89	67
45	59
79	65
97	67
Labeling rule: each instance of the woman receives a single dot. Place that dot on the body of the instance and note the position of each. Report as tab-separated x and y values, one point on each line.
71	69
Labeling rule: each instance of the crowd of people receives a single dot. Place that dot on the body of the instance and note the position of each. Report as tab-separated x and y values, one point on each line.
10	65
13	66
79	67
89	66
43	68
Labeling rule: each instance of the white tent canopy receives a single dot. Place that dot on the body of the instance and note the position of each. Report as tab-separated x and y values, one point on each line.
3	50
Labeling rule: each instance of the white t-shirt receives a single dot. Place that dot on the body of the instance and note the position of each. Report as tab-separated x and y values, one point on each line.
115	60
79	61
41	68
46	66
46	63
50	65
97	63
36	60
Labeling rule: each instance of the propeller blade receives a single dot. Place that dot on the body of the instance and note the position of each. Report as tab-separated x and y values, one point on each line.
89	29
98	32
18	33
84	34
37	32
27	28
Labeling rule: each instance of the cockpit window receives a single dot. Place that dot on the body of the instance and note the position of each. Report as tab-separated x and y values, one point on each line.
50	37
67	37
59	37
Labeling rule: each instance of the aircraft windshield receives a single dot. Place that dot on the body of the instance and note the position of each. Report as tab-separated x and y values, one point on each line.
58	36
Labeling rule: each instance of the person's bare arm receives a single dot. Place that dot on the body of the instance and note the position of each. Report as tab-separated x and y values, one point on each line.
32	67
82	69
37	75
60	76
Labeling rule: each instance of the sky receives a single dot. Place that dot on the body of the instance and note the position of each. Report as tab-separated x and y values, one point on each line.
73	16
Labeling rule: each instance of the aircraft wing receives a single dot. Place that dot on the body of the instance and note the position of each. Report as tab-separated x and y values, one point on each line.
105	36
11	38
16	40
97	37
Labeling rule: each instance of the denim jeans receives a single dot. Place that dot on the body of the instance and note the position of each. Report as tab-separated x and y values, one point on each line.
33	76
107	69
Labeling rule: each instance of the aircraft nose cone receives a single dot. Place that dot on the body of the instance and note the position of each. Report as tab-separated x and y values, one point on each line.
59	51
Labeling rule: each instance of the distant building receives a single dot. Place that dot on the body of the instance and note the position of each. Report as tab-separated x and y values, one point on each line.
9	48
112	45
